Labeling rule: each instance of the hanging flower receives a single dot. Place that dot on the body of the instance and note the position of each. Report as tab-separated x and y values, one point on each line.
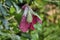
28	19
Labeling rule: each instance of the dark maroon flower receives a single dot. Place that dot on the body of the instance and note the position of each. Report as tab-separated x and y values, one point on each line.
24	25
28	25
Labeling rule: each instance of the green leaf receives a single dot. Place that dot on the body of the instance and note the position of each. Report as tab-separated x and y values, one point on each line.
8	3
38	27
21	1
18	17
3	10
18	10
35	35
1	27
12	9
5	23
26	35
15	37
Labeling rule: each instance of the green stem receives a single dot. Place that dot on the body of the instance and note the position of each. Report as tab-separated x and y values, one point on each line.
30	34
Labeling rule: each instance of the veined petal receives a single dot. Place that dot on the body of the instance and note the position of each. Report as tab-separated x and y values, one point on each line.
24	25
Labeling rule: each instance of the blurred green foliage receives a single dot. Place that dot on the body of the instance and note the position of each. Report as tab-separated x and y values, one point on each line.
10	16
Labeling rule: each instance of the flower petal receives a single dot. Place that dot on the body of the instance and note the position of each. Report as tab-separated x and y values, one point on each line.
31	27
36	19
24	25
39	20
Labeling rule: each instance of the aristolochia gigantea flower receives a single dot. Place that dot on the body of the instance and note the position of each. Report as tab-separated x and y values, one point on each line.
28	19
